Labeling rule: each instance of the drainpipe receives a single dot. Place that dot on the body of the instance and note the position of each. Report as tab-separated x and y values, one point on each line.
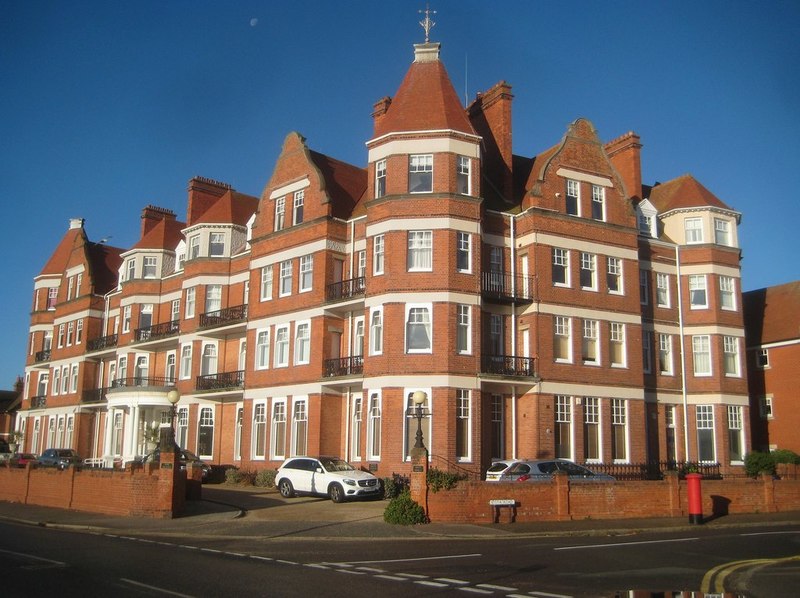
683	357
347	449
515	432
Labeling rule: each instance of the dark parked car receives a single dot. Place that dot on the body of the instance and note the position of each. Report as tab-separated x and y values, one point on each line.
184	457
60	458
543	469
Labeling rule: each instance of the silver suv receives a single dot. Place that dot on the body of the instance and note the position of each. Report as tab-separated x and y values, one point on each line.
541	469
325	476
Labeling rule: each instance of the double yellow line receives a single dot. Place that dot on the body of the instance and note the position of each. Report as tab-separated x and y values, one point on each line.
720	573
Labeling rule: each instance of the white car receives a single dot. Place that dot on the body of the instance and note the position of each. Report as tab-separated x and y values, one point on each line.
325	476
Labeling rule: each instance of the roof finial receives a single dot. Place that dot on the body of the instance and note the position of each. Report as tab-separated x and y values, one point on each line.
427	23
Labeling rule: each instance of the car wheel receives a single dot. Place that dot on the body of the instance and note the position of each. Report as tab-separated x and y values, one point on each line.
286	489
336	493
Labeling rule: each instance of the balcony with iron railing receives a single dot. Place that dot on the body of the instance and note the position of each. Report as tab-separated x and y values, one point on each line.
39	402
142	381
104	342
223	317
507	288
41	356
94	395
343	366
509	365
346	289
221	381
157	331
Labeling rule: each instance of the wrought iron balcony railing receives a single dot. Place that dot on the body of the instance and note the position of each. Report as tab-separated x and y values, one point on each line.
346	289
221	317
221	380
505	287
104	342
344	366
94	395
142	381
42	355
508	365
39	402
157	331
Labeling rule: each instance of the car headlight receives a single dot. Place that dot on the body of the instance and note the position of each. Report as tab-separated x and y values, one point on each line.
349	482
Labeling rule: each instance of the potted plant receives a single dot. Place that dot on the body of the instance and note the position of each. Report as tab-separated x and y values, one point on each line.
151	436
15	438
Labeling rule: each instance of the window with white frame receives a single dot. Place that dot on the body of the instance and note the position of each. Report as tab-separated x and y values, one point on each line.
730	351
356	428
285	283
191	294
463	329
70	286
735	434
306	273
69	431
70	333
662	290
665	354
297	206
562	342
56	381
280	213
213	298
463	184
560	267
617	345
706	449
647	351
237	434
122	369
598	202
259	442
116	434
175	310
588	271
242	362
62	328
693	228
376	331
194	247
361	264
182	432
463	424
374	427
130	269
497	422
573	202
141	370
145	315
619	430
208	363
358	337
266	283
262	349
180	257
614	275
563	427
420	173
299	427
670	434
65	379
698	293
722	232
418	328
216	244
126	319
727	293
281	346
701	354
762	359
278	429
590	342
411	422
52	297
591	429
420	250
378	254
150	267
765	407
302	343
380	178
186	362
169	368
205	432
463	252
78	332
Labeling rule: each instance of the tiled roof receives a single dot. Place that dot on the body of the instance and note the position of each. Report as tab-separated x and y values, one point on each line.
165	234
344	183
772	314
104	262
683	192
60	257
233	208
425	101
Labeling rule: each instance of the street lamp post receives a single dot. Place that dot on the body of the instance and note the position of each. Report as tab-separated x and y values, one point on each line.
418	397
168	439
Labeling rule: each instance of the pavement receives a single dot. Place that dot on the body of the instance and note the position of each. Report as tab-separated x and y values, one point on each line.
229	512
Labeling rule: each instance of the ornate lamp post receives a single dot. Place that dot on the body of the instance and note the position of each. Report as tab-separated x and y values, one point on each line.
168	434
418	411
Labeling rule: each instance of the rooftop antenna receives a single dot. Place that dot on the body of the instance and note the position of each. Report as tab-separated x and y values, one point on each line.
427	23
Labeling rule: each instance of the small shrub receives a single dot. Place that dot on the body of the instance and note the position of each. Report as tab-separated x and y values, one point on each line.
402	510
443	480
785	456
394	486
233	476
757	462
265	478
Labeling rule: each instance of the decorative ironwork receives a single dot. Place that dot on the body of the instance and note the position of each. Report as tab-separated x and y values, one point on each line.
95	395
509	365
104	342
505	287
142	381
221	380
344	366
157	331
346	289
220	317
42	355
39	402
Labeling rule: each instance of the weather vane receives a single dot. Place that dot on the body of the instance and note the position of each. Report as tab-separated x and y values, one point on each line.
427	23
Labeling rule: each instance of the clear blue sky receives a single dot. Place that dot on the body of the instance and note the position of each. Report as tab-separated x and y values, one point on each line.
106	107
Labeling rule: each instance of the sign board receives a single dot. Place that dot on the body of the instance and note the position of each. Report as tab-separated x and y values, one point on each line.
417	468
502	502
166	466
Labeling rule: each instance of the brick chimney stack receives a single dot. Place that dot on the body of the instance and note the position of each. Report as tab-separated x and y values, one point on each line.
203	193
625	154
490	115
152	215
379	110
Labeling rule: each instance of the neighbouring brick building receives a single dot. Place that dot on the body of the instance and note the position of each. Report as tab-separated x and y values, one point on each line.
772	326
546	305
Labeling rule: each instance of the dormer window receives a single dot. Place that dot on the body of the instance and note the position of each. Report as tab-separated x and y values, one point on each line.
194	247
150	267
722	232
130	269
380	178
420	173
216	245
646	218
693	228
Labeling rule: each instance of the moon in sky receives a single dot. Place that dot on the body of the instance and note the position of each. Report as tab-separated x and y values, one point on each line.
253	22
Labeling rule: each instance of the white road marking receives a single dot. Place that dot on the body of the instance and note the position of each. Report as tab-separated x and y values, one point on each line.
476	590
392	577
489	586
432	584
452	581
626	544
768	533
34	558
547	595
425	558
155	588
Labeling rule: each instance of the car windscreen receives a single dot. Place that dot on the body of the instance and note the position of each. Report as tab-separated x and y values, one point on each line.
496	467
336	464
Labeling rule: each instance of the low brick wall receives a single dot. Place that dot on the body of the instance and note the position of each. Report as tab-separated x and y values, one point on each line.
560	500
151	491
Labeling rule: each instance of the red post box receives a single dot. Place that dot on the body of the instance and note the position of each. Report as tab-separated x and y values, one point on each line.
695	496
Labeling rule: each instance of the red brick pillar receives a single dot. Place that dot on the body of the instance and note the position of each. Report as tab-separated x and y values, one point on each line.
673	485
561	482
173	479
419	477
769	493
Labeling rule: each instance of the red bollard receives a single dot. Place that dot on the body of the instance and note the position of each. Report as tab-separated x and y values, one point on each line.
695	497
